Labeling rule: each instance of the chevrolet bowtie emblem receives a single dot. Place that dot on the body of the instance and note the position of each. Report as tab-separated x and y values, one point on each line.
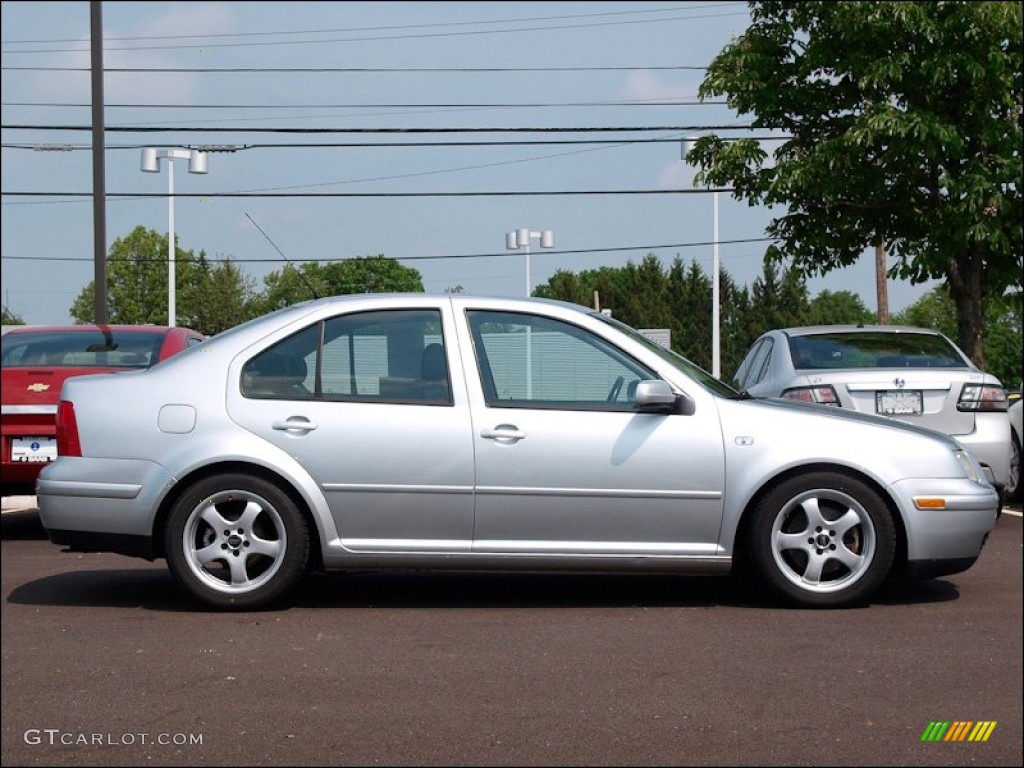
37	387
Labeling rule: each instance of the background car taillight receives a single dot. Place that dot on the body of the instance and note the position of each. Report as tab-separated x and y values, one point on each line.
823	395
981	397
67	430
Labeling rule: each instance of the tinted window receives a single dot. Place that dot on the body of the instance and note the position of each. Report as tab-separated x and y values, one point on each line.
389	356
535	362
875	350
755	364
87	348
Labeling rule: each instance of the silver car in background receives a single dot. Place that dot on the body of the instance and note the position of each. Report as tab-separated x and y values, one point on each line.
459	432
1016	414
915	375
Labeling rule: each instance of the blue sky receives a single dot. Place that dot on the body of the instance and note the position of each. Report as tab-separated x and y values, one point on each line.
451	65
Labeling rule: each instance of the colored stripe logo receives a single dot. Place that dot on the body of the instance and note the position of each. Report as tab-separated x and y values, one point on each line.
958	730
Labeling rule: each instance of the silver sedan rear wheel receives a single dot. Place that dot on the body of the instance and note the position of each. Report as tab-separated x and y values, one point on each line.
824	539
236	541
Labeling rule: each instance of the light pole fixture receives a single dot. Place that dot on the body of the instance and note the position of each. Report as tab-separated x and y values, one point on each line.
520	238
716	345
151	164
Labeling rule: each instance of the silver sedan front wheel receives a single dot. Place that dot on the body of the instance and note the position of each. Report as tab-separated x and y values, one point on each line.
824	539
236	541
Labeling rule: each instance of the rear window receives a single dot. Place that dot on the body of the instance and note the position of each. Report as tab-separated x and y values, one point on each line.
82	349
874	350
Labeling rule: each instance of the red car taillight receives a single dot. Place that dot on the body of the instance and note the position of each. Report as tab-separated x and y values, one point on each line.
67	430
981	397
824	395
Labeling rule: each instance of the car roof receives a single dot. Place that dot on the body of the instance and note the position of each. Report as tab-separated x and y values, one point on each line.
125	328
810	330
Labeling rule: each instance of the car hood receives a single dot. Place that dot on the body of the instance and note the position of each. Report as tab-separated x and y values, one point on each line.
830	412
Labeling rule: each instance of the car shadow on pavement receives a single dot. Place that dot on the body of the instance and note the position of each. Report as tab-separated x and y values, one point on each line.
22	524
150	586
153	588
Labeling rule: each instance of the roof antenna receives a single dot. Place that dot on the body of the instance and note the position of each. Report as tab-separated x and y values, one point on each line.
298	272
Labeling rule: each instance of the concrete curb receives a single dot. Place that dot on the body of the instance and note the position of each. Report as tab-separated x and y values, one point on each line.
19	503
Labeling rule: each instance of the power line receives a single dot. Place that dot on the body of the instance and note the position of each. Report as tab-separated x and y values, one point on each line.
480	105
381	28
357	70
504	254
36	147
180	129
211	195
376	38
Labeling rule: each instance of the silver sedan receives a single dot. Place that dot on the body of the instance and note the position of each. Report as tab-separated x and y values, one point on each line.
447	431
903	373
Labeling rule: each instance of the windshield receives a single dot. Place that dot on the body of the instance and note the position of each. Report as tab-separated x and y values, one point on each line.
86	348
688	367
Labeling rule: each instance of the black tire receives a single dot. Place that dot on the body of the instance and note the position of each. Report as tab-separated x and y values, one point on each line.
1012	489
236	542
822	539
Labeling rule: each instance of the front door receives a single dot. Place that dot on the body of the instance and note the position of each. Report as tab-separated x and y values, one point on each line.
564	462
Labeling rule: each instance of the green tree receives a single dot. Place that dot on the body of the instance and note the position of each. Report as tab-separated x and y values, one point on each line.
903	126
220	298
838	308
778	301
364	274
1004	320
137	281
9	318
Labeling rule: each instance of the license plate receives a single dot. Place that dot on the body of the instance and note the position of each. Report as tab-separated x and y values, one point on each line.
33	450
899	402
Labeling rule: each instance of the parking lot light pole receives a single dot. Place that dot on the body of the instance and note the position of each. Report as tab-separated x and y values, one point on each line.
514	240
716	346
520	238
151	164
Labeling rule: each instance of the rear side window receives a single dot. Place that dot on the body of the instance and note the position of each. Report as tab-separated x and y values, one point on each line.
875	350
87	348
755	364
395	356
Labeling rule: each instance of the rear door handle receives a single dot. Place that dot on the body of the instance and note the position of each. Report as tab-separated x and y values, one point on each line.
294	424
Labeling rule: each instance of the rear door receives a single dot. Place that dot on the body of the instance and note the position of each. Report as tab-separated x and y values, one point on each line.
367	403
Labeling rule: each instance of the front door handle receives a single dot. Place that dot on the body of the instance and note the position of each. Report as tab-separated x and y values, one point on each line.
503	433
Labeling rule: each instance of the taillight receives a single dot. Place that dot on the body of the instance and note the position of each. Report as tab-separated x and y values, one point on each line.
825	395
67	430
981	397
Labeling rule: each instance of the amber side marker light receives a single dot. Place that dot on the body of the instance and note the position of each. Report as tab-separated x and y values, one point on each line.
930	503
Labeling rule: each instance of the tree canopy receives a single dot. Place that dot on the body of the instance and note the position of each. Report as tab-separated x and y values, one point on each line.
365	274
646	295
903	128
208	298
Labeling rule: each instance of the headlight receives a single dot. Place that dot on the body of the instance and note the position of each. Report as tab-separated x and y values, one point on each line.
970	465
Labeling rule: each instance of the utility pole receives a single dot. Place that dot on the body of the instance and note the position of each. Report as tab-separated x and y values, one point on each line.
99	173
881	287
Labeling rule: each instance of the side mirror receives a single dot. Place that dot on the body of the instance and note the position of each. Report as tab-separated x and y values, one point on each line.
656	396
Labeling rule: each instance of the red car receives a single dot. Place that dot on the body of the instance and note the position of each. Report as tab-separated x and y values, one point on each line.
37	359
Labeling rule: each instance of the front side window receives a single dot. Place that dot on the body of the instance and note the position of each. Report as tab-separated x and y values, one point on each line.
535	362
395	356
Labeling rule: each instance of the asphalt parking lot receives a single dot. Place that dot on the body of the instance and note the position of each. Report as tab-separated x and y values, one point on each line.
106	663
